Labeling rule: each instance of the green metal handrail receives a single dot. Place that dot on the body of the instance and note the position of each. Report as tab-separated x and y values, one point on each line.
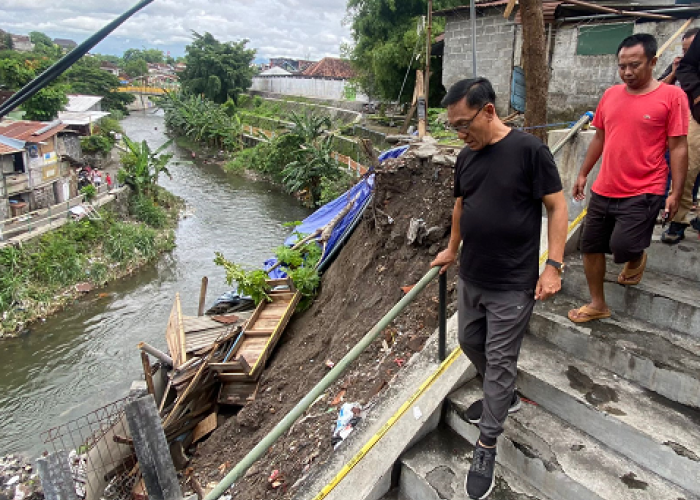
286	423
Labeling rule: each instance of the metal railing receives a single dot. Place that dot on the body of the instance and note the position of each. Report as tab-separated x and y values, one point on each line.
37	219
286	423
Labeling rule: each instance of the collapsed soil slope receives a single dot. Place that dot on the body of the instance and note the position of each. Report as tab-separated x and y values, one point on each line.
359	288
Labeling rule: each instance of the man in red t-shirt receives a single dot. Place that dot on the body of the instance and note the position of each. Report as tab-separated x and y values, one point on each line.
634	122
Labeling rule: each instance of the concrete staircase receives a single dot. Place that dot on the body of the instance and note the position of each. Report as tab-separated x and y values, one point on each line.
611	408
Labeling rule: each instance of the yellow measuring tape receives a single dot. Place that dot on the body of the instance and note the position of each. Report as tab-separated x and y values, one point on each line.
388	425
572	225
399	413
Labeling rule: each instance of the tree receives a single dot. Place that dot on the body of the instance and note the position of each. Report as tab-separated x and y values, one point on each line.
386	43
14	74
45	104
135	67
535	66
142	167
43	45
86	77
218	70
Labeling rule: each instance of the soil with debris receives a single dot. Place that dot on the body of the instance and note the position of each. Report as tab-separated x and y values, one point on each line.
361	286
18	480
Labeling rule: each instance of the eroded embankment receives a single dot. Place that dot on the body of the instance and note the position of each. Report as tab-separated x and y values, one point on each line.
359	288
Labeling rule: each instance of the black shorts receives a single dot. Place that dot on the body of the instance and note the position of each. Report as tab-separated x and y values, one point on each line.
620	226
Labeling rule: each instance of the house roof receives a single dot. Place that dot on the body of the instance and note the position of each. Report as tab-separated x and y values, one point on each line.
9	145
107	64
275	71
65	43
330	67
80	117
31	131
80	102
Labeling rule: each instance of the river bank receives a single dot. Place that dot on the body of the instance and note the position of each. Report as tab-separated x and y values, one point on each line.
85	356
54	270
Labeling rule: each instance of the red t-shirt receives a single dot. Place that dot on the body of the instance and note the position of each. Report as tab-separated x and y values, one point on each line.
636	128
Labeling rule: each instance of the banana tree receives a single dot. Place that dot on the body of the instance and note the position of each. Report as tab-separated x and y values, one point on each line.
142	167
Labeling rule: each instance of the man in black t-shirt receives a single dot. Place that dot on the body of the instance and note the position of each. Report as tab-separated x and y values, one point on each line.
502	179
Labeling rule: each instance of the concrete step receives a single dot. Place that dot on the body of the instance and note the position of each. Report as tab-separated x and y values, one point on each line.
682	259
662	361
437	466
559	460
661	299
656	433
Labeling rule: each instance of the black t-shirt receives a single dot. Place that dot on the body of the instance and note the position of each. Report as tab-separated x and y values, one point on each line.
502	187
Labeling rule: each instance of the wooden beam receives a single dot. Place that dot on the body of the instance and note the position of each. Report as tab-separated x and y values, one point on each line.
147	373
610	10
422	111
509	9
668	42
202	296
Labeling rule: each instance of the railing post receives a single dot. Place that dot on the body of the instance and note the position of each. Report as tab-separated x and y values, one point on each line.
442	317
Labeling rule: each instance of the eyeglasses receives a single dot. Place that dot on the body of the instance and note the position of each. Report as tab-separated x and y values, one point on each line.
463	128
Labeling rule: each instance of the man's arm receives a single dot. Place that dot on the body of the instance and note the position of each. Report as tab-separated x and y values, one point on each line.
595	150
669	75
678	148
448	256
557	225
688	72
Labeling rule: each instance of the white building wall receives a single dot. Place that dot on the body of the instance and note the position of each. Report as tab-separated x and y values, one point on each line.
307	87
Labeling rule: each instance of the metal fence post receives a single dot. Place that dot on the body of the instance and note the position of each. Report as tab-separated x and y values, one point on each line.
55	474
442	317
152	450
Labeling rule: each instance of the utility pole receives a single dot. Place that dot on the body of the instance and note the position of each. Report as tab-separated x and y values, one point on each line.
428	50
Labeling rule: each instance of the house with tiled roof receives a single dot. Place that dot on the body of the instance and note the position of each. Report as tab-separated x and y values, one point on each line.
34	163
332	68
327	79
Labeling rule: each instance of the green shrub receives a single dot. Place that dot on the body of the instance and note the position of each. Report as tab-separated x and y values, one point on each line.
144	209
96	144
89	192
57	261
129	242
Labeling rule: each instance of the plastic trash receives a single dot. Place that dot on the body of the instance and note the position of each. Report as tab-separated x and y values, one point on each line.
349	416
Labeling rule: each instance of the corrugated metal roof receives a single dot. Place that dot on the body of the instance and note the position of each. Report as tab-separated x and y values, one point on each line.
79	102
24	130
9	145
275	71
549	9
84	118
464	9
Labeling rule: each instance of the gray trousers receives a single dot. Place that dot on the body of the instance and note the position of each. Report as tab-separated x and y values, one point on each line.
492	324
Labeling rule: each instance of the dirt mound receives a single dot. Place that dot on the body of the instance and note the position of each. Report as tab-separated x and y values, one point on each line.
359	288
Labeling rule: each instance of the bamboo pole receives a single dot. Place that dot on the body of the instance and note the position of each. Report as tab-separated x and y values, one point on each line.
422	112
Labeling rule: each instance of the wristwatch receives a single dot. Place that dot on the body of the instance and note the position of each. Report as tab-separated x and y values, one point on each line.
556	265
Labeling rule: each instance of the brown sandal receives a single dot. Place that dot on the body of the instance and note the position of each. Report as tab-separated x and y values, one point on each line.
630	276
586	313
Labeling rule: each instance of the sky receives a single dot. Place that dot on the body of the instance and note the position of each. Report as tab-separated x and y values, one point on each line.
276	28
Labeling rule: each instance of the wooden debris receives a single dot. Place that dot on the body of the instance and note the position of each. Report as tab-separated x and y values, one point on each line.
204	427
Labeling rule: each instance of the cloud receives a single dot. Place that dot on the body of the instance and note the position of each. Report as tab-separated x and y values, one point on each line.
276	28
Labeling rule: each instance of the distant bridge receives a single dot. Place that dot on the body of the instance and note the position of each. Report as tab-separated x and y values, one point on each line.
146	90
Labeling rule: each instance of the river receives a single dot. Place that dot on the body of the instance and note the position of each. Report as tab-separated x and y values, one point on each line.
86	356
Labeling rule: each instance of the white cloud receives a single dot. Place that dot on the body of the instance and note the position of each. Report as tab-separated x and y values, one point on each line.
286	28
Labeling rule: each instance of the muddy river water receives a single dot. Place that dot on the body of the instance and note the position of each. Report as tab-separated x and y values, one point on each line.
86	356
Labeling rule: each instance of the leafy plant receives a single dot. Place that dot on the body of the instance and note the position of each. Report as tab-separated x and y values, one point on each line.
142	167
96	144
146	210
89	192
252	283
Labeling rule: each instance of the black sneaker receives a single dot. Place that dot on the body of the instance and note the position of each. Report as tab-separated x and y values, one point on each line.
480	479
477	408
674	234
695	223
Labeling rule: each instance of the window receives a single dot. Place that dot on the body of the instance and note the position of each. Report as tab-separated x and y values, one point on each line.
602	39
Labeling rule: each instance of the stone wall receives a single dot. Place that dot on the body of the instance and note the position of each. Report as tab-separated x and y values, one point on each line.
576	82
495	38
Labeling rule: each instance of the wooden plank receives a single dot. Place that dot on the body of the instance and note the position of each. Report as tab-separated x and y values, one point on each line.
236	393
147	373
204	427
202	296
509	8
260	362
181	332
234	377
172	335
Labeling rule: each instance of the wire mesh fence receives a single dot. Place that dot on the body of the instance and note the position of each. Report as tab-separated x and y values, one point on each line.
101	456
